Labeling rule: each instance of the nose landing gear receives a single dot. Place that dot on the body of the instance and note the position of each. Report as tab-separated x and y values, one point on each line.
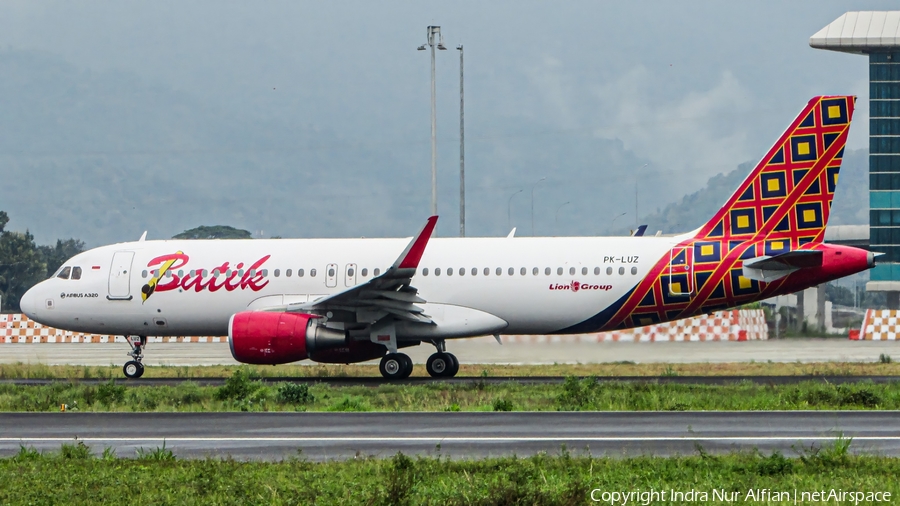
134	368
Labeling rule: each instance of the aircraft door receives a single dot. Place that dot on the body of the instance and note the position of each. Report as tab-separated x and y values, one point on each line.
681	271
350	275
331	275
120	276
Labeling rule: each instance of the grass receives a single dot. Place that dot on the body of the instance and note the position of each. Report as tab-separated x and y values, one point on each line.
78	476
243	391
882	365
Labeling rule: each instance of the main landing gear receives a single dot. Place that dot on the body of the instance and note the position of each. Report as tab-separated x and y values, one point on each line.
134	368
396	366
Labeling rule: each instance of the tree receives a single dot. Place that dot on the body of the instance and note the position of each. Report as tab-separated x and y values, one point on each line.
214	232
21	266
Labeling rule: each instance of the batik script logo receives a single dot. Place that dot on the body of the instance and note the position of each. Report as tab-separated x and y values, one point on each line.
576	286
198	280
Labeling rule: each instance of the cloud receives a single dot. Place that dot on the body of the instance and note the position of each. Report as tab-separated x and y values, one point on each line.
687	138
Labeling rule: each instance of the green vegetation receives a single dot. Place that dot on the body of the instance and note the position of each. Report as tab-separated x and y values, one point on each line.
74	476
71	372
23	263
244	392
214	232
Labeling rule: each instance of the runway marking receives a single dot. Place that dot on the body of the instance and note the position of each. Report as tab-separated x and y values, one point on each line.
454	439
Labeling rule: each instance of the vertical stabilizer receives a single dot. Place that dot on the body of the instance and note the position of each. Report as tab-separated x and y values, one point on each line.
788	194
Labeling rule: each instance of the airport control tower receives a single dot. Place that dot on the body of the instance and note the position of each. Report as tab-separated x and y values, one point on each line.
876	34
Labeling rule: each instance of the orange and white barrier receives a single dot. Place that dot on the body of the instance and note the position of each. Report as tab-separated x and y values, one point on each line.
879	325
731	325
18	328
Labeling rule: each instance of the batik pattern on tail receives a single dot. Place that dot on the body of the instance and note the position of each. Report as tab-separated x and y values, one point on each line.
783	205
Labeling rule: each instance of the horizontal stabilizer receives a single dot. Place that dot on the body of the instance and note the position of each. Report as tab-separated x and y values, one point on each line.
769	268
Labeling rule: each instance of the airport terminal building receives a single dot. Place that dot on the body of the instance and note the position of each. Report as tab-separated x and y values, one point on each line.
876	34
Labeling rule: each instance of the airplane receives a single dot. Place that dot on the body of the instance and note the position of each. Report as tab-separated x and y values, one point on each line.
354	300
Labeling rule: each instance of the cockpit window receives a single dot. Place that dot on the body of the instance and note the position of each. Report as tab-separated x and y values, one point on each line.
64	273
76	272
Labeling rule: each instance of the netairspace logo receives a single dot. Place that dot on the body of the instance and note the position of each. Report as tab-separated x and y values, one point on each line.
753	495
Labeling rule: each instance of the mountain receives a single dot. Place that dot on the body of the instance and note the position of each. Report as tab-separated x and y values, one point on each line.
849	207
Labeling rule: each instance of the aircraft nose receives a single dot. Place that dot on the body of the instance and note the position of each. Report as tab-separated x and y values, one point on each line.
28	303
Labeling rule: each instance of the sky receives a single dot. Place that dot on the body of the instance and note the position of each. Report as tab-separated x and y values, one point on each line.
671	92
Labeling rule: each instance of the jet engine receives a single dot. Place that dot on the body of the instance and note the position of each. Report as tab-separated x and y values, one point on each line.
261	337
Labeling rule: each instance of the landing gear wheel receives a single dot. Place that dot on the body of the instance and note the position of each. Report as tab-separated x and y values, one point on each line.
452	372
407	365
395	366
439	365
133	369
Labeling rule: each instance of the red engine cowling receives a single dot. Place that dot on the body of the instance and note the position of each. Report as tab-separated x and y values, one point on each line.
261	337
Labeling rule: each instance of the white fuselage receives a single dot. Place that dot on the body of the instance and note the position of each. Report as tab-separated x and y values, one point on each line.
107	298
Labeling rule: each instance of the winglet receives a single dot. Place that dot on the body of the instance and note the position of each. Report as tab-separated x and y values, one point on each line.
410	257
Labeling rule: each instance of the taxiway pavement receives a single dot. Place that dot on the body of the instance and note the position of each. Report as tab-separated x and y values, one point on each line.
325	436
487	351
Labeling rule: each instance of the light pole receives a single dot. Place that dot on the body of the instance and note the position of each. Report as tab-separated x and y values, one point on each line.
636	224
462	149
557	216
508	207
532	203
432	31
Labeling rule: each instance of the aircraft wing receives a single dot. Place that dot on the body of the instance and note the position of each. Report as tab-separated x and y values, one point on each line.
389	293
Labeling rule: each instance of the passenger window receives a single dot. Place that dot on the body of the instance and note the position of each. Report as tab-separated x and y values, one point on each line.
547	271
287	273
64	274
596	271
376	272
522	271
487	271
76	272
511	271
499	271
350	272
559	271
365	272
241	273
265	272
535	271
312	273
437	271
462	271
584	271
621	270
424	271
571	271
450	271
277	272
299	273
180	273
330	273
609	271
144	273
474	271
634	270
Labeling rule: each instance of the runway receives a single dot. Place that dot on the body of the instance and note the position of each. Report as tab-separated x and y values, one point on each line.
487	351
326	436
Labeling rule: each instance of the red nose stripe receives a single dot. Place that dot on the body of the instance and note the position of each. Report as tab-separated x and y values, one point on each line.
96	267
